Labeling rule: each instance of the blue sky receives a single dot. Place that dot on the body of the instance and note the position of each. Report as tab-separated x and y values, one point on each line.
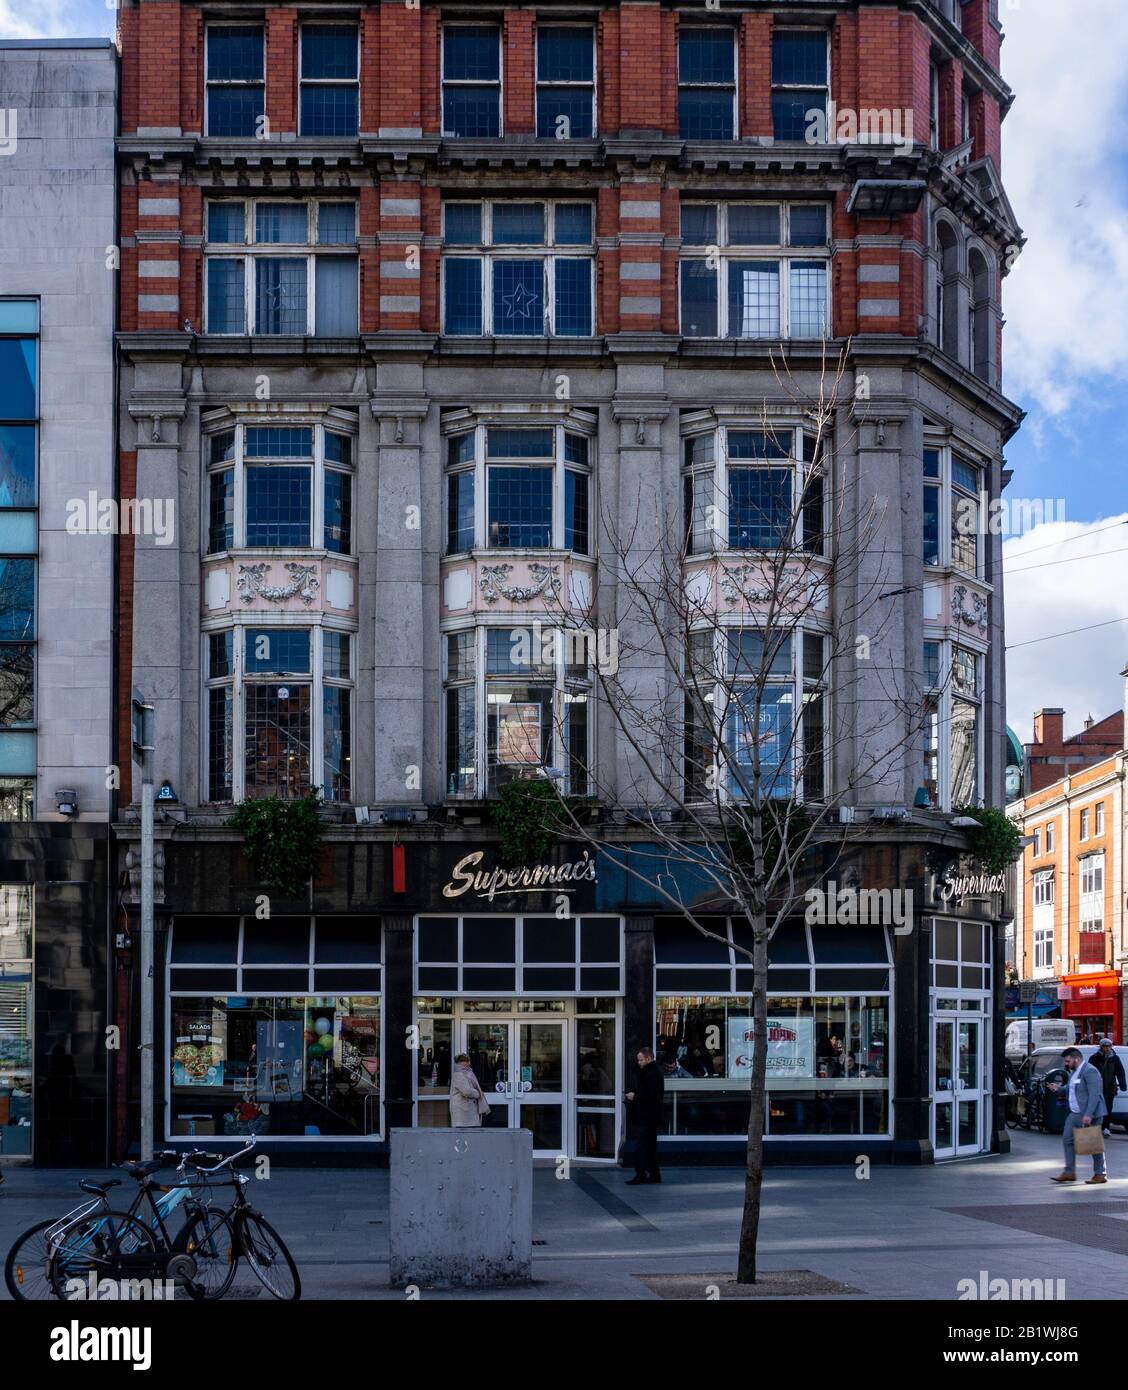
1065	348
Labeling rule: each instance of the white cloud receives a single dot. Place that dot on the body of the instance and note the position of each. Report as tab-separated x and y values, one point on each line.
1066	300
1079	673
55	19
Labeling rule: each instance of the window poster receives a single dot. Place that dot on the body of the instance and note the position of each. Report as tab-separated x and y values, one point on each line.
519	735
199	1047
791	1047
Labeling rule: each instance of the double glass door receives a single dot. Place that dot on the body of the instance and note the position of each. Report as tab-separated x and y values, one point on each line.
521	1066
959	1096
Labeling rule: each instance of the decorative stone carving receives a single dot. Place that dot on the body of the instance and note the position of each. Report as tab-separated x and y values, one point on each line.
493	586
303	582
735	586
969	609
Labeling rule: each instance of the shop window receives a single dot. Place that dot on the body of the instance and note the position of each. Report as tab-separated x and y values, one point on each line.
764	274
524	955
961	956
17	1028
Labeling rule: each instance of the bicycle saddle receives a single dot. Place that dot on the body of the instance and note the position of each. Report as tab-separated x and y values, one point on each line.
142	1170
99	1189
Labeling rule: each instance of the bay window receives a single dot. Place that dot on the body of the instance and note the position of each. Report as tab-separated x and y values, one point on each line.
279	712
953	518
517	700
757	489
763	275
1092	892
951	724
533	484
274	486
275	267
518	268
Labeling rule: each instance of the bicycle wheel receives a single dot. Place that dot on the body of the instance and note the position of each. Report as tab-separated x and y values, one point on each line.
26	1268
209	1238
267	1255
96	1246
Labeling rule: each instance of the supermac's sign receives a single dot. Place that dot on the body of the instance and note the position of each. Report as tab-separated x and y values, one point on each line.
467	877
955	886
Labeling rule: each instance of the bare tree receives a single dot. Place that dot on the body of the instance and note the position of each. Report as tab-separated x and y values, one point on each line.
737	623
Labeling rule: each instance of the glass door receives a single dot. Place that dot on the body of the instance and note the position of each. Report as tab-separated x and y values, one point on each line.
520	1064
969	1099
943	1088
488	1045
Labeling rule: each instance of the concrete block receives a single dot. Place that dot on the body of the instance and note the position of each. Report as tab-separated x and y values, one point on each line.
461	1207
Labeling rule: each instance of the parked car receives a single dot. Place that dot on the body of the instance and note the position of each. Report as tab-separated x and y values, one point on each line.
1048	1032
1045	1060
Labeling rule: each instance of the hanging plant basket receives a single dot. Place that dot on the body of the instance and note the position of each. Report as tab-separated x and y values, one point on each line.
283	840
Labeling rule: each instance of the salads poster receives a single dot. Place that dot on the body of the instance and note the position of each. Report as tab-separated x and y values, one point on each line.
199	1051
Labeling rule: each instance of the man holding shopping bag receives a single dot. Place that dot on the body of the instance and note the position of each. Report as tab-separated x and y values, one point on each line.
1086	1106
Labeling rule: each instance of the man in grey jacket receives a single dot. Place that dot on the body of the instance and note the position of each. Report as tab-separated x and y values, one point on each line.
1086	1105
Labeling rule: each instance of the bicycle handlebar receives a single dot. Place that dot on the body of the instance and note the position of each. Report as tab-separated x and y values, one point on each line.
195	1155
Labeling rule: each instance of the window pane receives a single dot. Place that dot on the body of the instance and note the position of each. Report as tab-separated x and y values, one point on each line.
751	225
509	651
277	740
227	222
220	659
335	654
759	444
518	224
699	224
460	656
329	50
461	743
766	724
964	752
278	506
932	664
799	58
462	224
573	224
17	691
790	113
931	525
460	511
277	651
576	741
280	296
17	465
18	532
17	378
698	300
813	514
221	510
338	511
518	297
282	222
697	500
338	448
462	296
278	442
753	299
814	747
336	224
705	113
19	316
235	53
573	297
225	297
520	507
565	53
759	508
471	112
965	475
17	599
575	511
808	299
234	112
17	799
329	111
221	448
518	730
219	744
520	444
576	448
460	449
564	113
338	743
808	226
471	53
705	55
745	653
336	315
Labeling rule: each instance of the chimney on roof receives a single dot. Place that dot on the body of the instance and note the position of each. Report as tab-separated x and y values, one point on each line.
1048	727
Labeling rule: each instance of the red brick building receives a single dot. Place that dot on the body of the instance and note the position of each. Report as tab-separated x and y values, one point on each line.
1051	756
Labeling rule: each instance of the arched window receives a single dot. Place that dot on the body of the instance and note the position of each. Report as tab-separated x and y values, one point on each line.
979	314
947	290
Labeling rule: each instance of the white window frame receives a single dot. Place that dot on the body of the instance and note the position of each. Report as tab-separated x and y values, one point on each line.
724	251
1043	925
238	681
1099	820
317	464
1083	825
546	251
950	492
550	85
305	82
943	698
210	82
482	23
1049	837
250	251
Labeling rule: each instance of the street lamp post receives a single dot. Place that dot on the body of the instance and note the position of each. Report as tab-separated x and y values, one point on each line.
143	747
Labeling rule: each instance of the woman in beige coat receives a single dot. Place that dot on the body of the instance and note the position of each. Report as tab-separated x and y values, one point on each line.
467	1103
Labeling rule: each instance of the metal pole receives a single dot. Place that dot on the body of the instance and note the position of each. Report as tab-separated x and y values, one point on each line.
147	805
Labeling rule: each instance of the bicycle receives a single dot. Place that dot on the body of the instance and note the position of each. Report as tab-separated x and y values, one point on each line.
54	1258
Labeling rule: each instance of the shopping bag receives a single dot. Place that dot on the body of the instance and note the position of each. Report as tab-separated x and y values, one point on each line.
1088	1139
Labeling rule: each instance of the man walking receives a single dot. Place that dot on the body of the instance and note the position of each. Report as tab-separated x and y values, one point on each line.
646	1116
1111	1069
1086	1104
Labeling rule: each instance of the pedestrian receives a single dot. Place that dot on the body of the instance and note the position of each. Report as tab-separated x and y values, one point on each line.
1111	1069
1086	1104
468	1103
646	1116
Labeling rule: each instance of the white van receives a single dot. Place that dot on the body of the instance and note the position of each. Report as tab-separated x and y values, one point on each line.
1048	1032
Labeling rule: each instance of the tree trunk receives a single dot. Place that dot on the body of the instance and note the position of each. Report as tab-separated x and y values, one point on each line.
754	1164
